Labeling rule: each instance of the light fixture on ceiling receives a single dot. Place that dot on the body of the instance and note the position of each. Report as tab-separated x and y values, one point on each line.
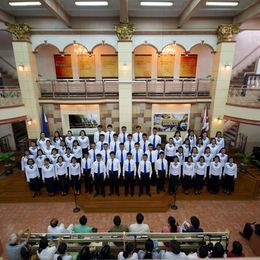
215	3
27	3
91	3
158	4
79	49
168	50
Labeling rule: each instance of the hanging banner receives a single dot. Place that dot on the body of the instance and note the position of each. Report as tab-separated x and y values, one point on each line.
165	66
143	65
86	66
188	66
63	66
109	66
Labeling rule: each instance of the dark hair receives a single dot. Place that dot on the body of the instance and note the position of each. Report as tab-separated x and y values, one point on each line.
129	153
117	221
54	222
73	158
123	127
112	152
115	134
54	137
82	131
218	251
145	155
237	248
26	252
130	135
175	247
172	224
139	218
46	159
30	159
129	248
43	244
99	126
83	220
138	126
177	132
149	249
155	128
203	251
121	144
61	250
94	230
105	252
162	152
75	141
84	253
195	222
109	126
144	134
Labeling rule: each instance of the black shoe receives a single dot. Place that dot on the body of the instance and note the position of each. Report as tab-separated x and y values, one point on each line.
104	195
110	194
95	195
149	194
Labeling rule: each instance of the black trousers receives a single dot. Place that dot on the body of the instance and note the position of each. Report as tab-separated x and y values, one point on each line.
160	181
35	184
198	185
229	183
49	182
214	184
75	182
187	182
145	183
78	160
63	183
173	183
99	183
169	160
87	180
114	182
84	151
129	182
154	177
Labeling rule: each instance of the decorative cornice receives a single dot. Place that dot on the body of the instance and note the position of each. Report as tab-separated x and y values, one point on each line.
124	31
225	32
20	31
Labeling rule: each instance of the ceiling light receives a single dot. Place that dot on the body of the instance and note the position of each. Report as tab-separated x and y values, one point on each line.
233	3
156	3
24	3
91	3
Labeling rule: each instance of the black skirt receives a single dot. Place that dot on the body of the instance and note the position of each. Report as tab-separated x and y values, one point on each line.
49	182
63	183
187	182
229	183
214	184
75	182
35	184
199	182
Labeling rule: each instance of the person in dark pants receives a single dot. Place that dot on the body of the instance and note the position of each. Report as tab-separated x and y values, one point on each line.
86	164
200	174
145	174
129	173
75	175
98	172
215	174
114	171
161	169
61	175
32	176
230	174
174	175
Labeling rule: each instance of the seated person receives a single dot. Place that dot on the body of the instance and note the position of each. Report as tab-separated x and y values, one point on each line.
128	253
117	226
105	253
195	225
82	227
45	251
61	253
172	227
26	252
139	226
237	250
218	251
84	254
174	251
54	228
149	252
202	252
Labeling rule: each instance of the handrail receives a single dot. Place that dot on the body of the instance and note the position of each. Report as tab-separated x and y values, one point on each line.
8	63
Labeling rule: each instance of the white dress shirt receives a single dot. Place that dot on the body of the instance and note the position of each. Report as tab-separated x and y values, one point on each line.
180	157
126	166
129	145
230	169
144	145
192	138
206	141
213	149
67	158
135	137
116	166
220	143
148	168
53	158
77	151
175	169
122	137
74	169
47	150
186	150
105	155
137	155
215	169
42	142
195	157
24	161
158	140
208	158
107	134
150	156
223	158
188	169
119	155
200	148
83	164
92	154
201	169
158	166
40	160
94	168
114	146
48	171
57	230
83	142
31	172
156	154
139	228
69	141
62	150
47	253
56	142
100	145
177	141
61	169
96	136
33	151
170	150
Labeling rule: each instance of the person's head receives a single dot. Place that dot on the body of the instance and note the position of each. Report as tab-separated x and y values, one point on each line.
180	149
75	143
84	253
187	141
137	145
189	159
30	161
231	160
177	134
195	222
13	239
144	136
109	128
82	133
175	247
43	244
39	152
105	146
121	146
100	128
161	155
60	159
26	252
172	224
73	160
62	248
93	146
62	143
54	222
115	137
105	252
99	156
57	134
54	151
139	218
86	155
42	135
203	251
218	251
149	246
170	140
33	143
223	150
48	142
129	249
213	141
191	132
129	137
138	128
117	221
175	159
26	152
237	248
112	154
218	134
207	149
129	156
145	157
68	150
216	159
83	220
123	129
194	150
101	137
202	159
69	133
150	147
158	147
155	130
200	142
46	161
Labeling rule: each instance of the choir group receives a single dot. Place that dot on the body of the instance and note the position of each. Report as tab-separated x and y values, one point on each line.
128	158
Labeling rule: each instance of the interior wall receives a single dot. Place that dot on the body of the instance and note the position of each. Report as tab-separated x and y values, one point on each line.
6	129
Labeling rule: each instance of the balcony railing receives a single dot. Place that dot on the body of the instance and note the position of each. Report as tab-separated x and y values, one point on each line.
10	97
109	88
244	96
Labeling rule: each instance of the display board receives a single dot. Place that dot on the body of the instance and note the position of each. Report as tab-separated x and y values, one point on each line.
85	121
143	65
188	66
165	66
109	66
63	66
86	66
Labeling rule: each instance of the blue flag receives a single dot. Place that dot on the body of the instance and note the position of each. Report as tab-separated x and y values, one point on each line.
45	124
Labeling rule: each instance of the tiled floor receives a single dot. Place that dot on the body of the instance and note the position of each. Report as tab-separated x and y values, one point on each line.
214	216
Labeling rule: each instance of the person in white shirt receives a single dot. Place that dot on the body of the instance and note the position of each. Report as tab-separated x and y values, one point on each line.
155	139
93	152
128	253
215	173
56	139
48	176
77	151
156	156
105	153
139	227
223	157
214	149
192	137
186	148
123	135
137	154
177	139
69	139
220	141
145	174
195	154
61	173
114	145
25	159
137	136
121	155
41	142
33	149
161	169
129	144
55	228
75	175
205	139
200	174
174	251
83	141
174	175
62	148
100	143
144	142
98	172
150	155
45	252
54	156
113	172
98	133
67	157
180	155
170	151
61	252
230	175
188	174
48	148
86	165
39	161
129	173
32	176
109	134
200	146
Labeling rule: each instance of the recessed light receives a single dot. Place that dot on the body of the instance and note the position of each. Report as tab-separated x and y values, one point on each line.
24	3
214	3
91	3
156	3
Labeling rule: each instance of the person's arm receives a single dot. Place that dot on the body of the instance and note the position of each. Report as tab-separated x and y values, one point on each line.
119	169
235	176
27	175
156	167
166	168
21	233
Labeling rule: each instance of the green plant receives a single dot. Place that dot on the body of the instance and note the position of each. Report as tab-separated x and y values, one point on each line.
246	158
7	158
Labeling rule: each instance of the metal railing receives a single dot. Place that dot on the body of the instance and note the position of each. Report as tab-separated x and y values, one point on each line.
109	88
10	97
5	144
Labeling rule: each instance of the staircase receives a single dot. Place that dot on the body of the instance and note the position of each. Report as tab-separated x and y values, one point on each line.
231	132
8	80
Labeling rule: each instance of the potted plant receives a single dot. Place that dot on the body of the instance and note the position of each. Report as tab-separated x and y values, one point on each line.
7	159
246	158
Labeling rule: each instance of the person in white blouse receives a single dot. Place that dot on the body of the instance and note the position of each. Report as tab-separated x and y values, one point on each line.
200	146
194	154
77	151
215	173
200	174
61	252
129	143
223	157
174	175
56	139
144	142
129	253
114	145
129	173
113	172
137	154
62	148
98	133
39	161
75	175
155	139
93	152
45	252
48	148
100	143
86	165
170	151
192	137
188	174
161	169
121	155
33	149
41	142
25	159
205	139
83	141
67	157
109	134
145	174
220	141
214	149
177	139
61	173
230	175
32	176
186	148
54	156
48	176
55	228
123	135
180	155
105	153
138	136
98	172
69	139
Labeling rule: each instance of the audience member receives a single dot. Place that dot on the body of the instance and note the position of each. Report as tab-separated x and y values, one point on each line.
139	226
237	250
195	225
82	227
45	252
149	252
105	253
128	253
61	252
26	252
54	228
117	226
218	251
174	251
84	254
172	226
